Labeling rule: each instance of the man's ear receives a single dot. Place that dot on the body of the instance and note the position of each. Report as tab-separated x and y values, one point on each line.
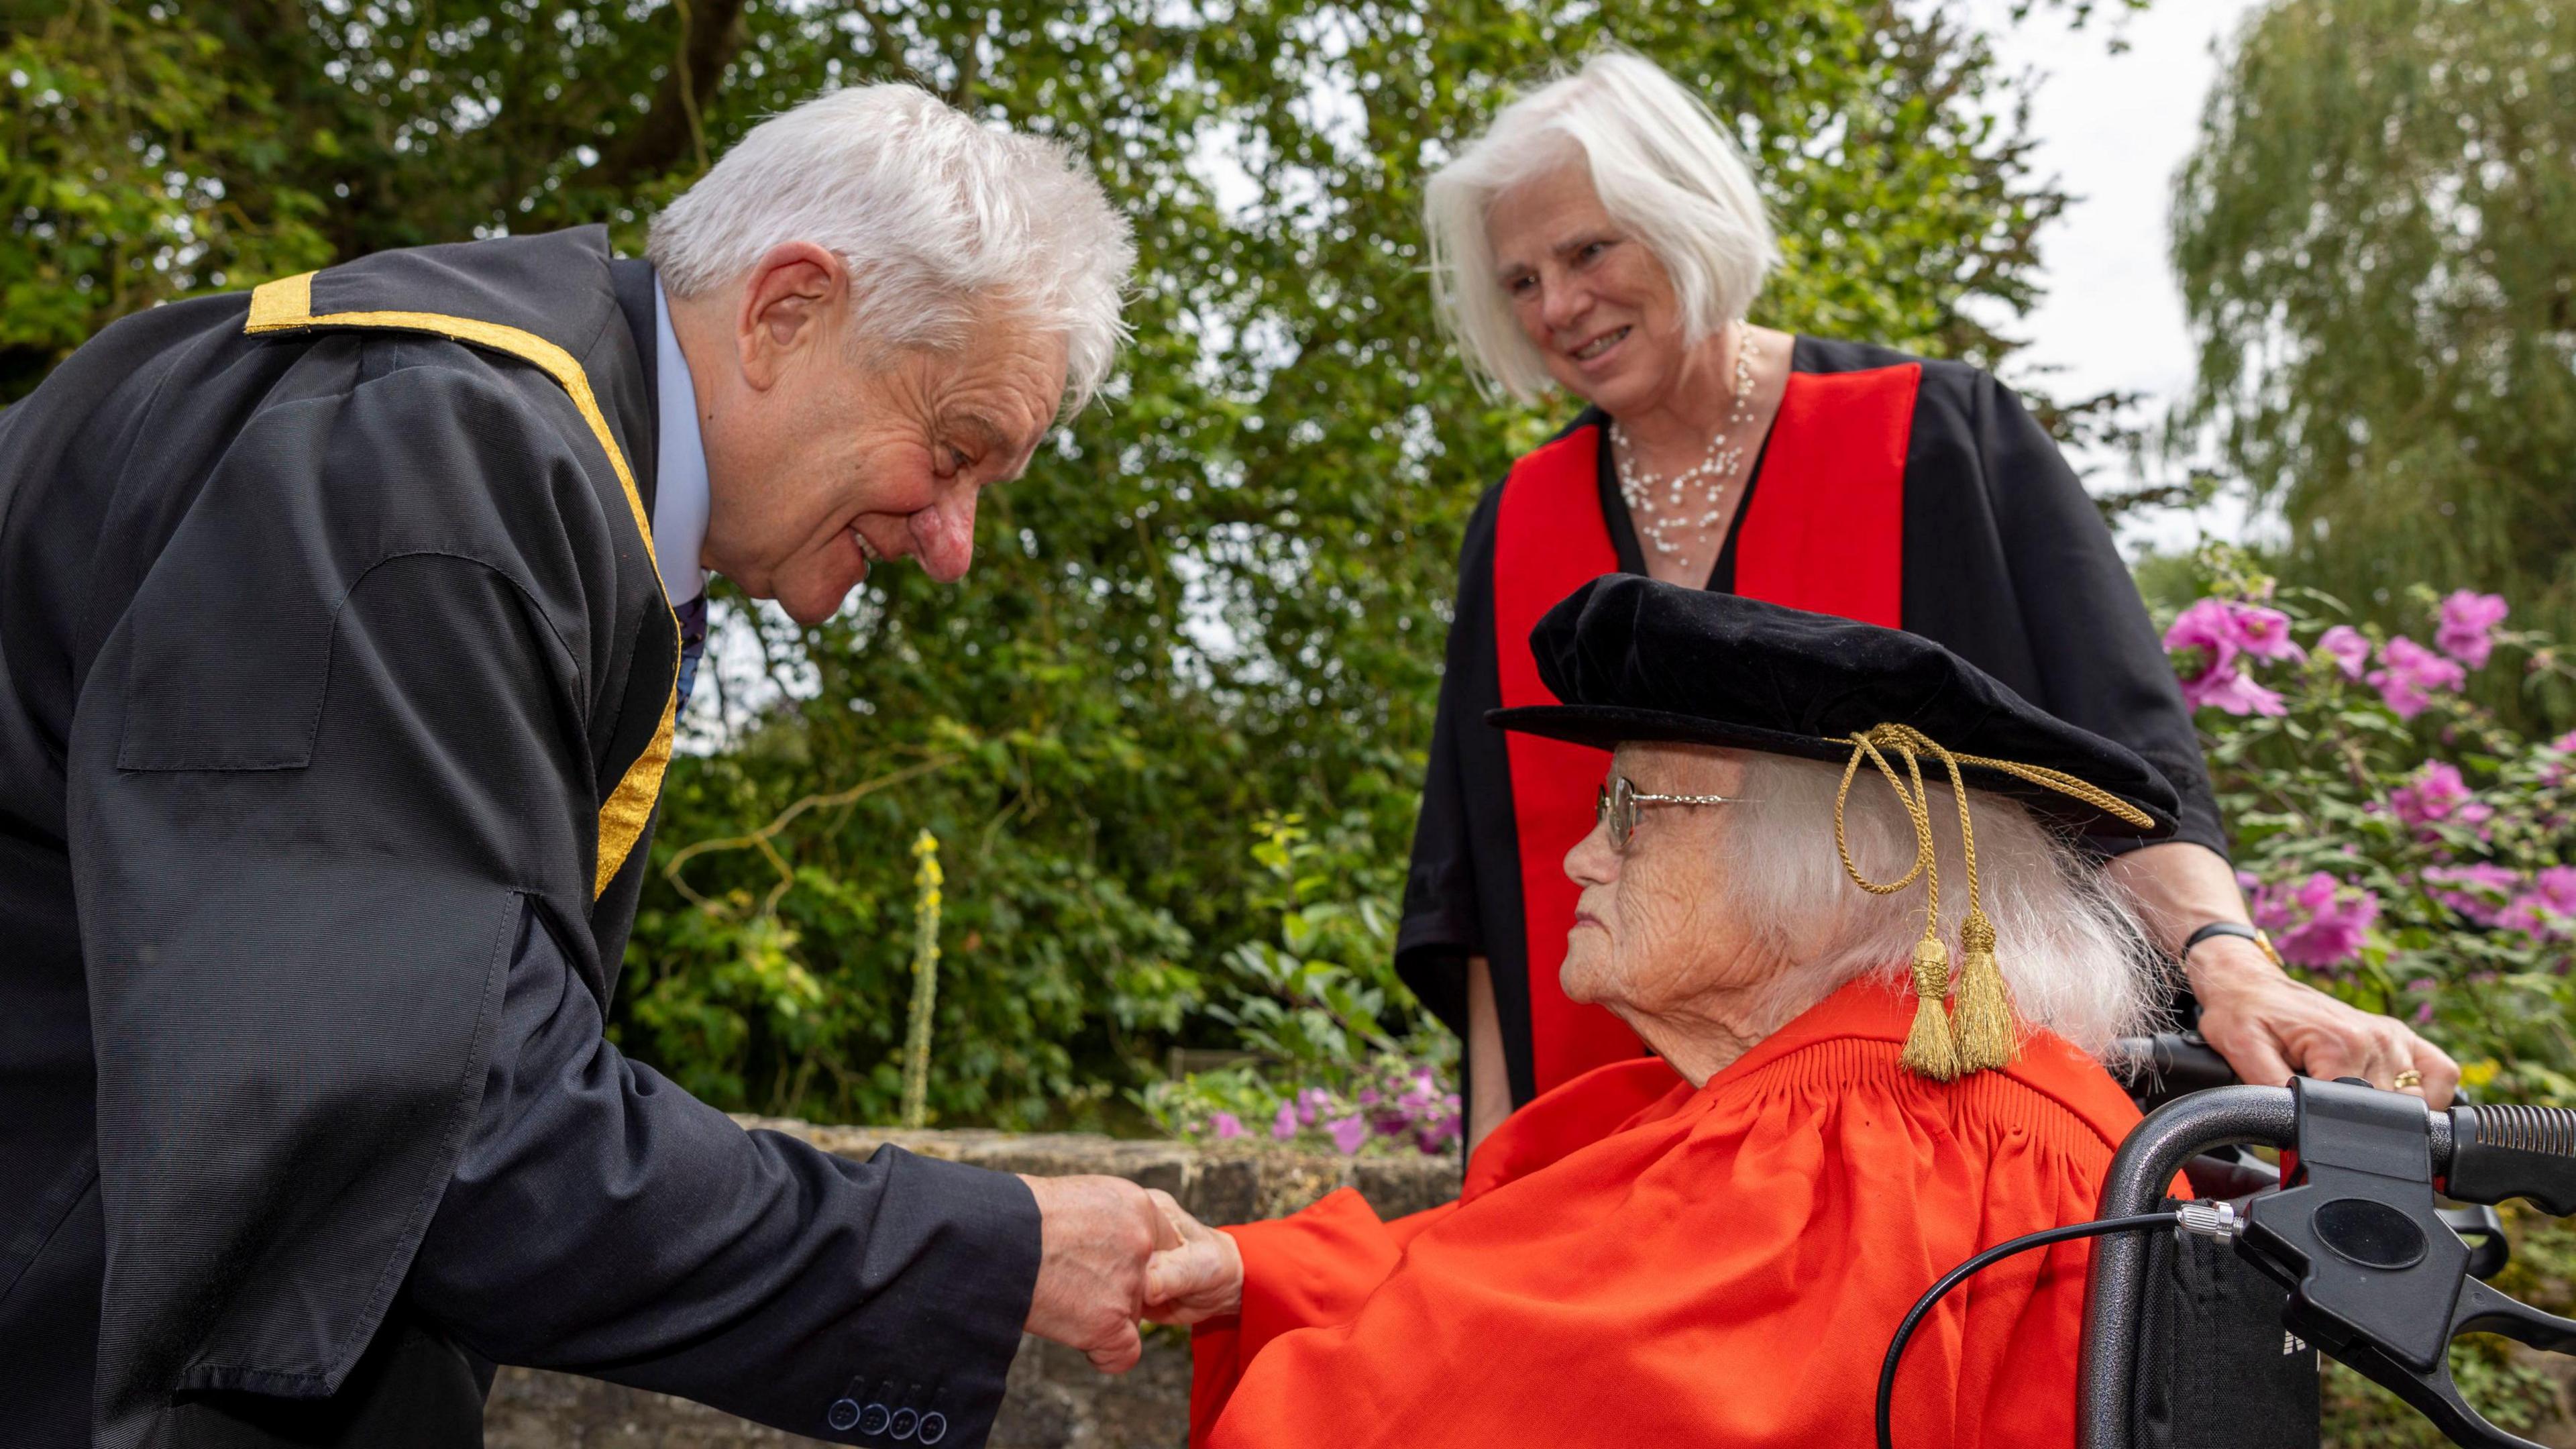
789	300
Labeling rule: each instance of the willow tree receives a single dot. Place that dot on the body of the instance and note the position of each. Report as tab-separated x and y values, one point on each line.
2377	244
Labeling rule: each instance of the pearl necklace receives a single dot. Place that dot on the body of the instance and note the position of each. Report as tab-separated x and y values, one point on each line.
1656	520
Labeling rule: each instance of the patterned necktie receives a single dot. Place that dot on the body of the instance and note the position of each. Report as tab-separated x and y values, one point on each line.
693	642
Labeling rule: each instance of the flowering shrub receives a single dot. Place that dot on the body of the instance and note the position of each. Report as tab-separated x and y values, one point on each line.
2405	849
1393	1104
1313	1006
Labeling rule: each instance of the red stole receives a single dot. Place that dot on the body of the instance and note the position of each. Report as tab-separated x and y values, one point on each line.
1824	532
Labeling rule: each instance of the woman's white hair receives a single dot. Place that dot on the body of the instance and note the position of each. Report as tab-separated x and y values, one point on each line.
1663	168
2070	947
946	225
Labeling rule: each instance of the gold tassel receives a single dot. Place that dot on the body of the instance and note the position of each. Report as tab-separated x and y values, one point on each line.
1929	1051
1981	1033
1983	1022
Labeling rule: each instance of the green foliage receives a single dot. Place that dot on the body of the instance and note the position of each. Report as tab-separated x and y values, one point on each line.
2408	850
1320	1007
2415	864
2377	244
1319	993
134	167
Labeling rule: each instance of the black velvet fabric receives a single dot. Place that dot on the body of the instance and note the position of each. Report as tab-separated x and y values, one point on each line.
1635	659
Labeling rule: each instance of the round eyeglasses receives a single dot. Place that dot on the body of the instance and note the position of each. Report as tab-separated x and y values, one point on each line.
1619	802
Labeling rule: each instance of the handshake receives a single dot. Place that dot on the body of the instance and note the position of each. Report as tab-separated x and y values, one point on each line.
1114	1254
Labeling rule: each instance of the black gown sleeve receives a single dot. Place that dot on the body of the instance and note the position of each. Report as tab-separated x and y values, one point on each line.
604	1221
1441	926
334	761
2099	661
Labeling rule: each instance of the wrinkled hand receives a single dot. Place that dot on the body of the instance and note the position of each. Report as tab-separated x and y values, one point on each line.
2268	1026
1096	1234
1199	1279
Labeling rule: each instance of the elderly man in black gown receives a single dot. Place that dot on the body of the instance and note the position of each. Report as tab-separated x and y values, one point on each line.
342	631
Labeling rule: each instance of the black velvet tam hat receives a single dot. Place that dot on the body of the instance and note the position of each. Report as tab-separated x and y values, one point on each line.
1634	659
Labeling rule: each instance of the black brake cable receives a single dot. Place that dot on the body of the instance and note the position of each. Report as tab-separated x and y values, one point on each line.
1923	1306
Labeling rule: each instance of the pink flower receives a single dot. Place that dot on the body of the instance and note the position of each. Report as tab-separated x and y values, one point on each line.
1225	1125
2209	628
2467	632
1284	1126
1313	1103
2344	645
2207	625
2206	641
1348	1133
2549	908
2486	889
2409	673
2233	692
2556	887
1436	1135
2263	633
2322	924
2555	771
2434	793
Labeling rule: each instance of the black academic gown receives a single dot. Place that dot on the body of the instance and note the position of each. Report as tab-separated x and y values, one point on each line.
2005	560
336	683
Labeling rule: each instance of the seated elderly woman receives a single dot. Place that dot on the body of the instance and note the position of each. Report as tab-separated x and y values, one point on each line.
1711	1245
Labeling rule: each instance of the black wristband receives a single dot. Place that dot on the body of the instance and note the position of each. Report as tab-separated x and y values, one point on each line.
2230	928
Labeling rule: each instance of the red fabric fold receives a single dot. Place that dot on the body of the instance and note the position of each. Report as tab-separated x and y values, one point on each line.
1636	1263
1549	540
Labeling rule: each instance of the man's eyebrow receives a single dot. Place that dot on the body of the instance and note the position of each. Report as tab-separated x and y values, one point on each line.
981	429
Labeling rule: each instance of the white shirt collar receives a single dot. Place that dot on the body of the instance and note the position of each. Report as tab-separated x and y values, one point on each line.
680	466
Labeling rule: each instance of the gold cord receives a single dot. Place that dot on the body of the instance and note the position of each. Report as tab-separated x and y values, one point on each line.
1930	1050
1980	1033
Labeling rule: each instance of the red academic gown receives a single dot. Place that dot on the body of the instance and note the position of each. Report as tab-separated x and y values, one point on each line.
1637	1263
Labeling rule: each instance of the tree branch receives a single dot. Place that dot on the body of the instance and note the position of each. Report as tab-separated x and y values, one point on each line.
711	32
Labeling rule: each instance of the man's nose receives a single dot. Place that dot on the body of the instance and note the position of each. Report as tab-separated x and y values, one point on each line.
943	536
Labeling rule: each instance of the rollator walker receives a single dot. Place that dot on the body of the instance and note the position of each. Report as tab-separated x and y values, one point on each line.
2199	1315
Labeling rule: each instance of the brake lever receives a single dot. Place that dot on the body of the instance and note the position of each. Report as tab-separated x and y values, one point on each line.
2477	1225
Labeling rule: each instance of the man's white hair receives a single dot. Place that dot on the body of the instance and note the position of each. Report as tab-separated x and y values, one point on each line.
2070	947
1663	168
946	225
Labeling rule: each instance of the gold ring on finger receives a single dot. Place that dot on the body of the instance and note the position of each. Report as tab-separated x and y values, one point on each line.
2407	1078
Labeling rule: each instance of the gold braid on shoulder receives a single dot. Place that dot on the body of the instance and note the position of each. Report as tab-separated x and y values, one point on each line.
1980	1033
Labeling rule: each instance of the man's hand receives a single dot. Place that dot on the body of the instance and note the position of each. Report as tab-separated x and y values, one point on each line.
1202	1278
2268	1026
1095	1235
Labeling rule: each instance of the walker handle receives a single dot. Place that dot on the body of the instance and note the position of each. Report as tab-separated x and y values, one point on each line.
2511	1151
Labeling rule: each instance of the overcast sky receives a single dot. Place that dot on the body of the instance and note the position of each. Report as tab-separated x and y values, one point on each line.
2113	128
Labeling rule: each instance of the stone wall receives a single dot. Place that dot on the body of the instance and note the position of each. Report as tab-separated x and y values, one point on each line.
1056	1400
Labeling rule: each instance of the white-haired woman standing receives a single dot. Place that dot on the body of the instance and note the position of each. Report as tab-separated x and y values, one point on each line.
1711	1246
1605	238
